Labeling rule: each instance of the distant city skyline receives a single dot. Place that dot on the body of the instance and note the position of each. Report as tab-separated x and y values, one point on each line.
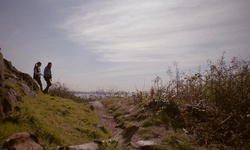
121	44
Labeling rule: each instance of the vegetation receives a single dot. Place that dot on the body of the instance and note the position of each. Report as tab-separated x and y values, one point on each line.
56	121
209	109
62	90
215	103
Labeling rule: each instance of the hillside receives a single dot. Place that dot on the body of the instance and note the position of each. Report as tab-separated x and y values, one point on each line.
55	121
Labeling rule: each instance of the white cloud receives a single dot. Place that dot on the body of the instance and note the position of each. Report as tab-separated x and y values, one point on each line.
139	31
109	42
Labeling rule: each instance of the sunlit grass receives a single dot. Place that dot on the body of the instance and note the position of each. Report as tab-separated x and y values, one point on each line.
56	121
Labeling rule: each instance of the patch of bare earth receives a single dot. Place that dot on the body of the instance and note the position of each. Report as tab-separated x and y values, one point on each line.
105	119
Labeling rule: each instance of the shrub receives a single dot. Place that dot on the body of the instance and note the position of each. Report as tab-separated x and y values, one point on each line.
61	90
167	110
215	104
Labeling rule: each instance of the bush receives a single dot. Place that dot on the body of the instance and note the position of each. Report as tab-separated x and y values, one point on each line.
215	104
61	90
168	111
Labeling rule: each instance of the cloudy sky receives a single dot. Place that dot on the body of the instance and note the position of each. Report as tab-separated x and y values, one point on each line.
122	44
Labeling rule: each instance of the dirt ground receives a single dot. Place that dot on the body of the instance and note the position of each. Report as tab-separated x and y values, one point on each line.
105	119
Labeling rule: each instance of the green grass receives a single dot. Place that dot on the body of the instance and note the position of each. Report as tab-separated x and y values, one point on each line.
56	121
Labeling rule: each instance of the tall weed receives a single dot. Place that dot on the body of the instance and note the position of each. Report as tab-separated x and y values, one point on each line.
215	103
62	90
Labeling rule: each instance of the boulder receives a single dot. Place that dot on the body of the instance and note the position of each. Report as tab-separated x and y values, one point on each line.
27	91
126	135
144	145
96	145
22	141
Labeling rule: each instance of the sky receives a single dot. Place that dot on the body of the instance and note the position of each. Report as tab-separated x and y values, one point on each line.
121	44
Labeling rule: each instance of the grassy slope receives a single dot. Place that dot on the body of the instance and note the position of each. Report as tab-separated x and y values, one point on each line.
55	120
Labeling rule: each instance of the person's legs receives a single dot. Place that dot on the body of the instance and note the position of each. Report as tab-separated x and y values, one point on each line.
48	85
39	83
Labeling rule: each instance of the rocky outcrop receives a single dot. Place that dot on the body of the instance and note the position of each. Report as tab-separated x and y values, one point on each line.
22	141
1	68
13	85
2	114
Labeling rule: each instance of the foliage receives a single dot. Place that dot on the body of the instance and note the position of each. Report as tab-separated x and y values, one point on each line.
62	90
215	104
168	111
177	144
210	107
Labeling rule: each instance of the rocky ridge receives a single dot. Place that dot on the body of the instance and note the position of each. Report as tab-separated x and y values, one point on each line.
13	85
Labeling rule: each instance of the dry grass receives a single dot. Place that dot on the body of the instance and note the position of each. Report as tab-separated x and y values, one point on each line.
62	90
211	106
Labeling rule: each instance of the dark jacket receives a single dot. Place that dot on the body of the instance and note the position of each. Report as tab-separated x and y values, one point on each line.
47	73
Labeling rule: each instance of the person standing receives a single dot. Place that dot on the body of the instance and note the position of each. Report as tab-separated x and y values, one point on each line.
37	74
47	76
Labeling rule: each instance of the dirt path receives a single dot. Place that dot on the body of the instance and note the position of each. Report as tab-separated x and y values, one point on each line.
105	119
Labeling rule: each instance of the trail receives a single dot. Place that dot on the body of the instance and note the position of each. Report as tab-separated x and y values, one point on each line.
105	119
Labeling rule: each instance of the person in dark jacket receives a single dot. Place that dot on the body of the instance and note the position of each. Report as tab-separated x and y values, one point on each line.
47	76
37	74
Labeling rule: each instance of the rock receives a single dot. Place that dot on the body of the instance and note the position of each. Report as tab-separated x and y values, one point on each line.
126	135
2	107
2	114
27	91
100	127
8	65
13	86
1	68
2	91
22	141
145	145
96	145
